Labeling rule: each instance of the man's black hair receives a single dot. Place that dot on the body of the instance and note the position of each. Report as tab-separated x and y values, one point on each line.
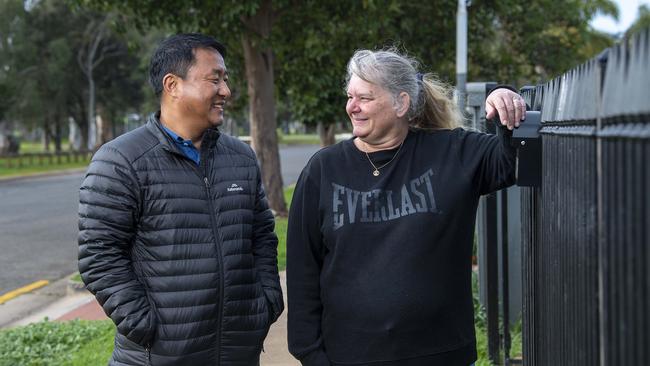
175	55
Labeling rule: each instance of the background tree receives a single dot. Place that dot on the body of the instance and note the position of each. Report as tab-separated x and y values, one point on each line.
313	46
531	41
122	86
245	27
35	58
642	21
39	49
509	41
305	45
97	46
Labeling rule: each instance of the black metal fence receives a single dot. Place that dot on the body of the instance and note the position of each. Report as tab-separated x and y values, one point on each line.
586	230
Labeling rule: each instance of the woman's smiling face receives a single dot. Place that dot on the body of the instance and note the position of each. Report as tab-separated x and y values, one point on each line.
372	112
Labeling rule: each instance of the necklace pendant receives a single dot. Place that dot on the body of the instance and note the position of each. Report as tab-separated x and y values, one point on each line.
375	173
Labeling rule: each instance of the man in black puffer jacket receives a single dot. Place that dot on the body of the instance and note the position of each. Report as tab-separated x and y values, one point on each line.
176	238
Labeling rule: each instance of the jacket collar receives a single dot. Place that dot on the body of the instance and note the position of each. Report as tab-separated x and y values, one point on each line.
210	136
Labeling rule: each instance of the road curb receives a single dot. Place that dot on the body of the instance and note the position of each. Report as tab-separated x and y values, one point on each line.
26	306
23	290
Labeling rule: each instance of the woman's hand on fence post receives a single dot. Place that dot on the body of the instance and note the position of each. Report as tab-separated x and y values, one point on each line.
509	105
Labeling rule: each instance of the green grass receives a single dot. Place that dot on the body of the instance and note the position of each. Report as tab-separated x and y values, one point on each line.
53	343
36	169
98	350
76	277
281	224
33	159
480	323
281	231
482	344
27	147
306	139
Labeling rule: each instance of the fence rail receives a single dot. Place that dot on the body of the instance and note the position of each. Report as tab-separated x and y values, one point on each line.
10	161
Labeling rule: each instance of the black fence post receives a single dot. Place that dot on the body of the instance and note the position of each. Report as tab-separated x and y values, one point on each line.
505	299
492	277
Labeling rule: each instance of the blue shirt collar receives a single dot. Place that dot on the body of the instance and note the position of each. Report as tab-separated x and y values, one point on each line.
172	134
186	146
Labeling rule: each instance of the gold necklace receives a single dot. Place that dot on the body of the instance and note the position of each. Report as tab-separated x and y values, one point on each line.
376	171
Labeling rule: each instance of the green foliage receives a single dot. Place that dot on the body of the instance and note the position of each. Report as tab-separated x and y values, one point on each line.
480	325
531	41
313	46
5	98
41	50
281	224
76	277
49	343
98	350
480	317
642	21
509	41
516	340
223	20
288	194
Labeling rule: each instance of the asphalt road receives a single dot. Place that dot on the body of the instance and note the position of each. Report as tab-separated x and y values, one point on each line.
38	229
38	222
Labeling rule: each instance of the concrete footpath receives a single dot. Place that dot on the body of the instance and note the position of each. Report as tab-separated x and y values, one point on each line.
67	302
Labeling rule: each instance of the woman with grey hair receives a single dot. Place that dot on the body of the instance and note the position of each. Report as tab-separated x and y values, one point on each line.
381	225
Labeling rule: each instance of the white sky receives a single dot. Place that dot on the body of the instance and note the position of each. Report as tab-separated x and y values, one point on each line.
627	13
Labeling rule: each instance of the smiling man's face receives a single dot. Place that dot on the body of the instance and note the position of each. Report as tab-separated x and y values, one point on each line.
204	90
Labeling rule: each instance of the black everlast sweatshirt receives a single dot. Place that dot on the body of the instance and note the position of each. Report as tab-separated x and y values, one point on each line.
378	267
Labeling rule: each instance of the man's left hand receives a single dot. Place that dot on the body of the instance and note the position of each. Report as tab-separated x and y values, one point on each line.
510	106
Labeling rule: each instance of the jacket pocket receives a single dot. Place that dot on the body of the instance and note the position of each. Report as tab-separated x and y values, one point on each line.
129	352
153	313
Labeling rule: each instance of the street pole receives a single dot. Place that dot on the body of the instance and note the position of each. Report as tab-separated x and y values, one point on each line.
461	53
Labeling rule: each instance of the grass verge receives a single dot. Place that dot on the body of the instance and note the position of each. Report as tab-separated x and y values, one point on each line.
281	224
305	139
54	343
36	169
98	350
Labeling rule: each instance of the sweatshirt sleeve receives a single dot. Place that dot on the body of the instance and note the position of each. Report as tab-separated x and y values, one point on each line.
108	211
305	252
490	160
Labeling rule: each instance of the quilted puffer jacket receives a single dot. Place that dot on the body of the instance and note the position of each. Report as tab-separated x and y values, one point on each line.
183	258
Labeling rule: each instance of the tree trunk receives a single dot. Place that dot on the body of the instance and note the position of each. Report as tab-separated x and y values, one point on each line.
46	135
57	132
80	120
326	134
105	128
259	73
91	105
83	134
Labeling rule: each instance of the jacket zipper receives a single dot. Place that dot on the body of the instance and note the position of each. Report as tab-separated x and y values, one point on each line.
148	349
218	241
215	233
